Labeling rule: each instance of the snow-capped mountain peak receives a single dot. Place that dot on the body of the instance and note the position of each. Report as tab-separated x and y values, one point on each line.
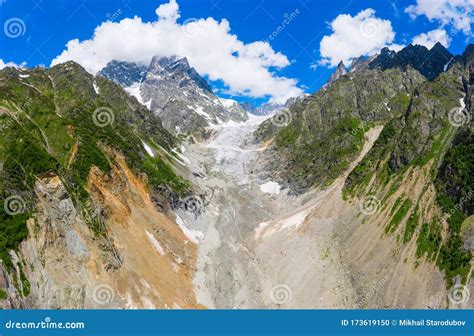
174	90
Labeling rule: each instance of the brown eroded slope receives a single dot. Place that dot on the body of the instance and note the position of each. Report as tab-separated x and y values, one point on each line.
143	261
153	248
299	252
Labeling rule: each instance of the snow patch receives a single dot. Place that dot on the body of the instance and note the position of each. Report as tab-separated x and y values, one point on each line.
227	102
294	221
199	110
203	95
134	90
193	235
181	156
148	149
155	243
270	187
24	76
172	156
463	104
447	64
96	88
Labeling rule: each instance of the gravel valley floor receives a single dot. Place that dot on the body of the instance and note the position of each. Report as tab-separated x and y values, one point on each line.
263	249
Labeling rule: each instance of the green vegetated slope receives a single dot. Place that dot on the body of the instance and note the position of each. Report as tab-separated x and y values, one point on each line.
423	137
326	131
325	134
63	121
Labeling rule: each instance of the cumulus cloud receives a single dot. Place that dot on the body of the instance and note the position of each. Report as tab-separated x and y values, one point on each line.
354	36
168	11
8	64
245	68
455	12
429	39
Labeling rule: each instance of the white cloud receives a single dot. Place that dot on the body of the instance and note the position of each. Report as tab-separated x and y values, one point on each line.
168	11
396	47
429	39
354	36
246	69
455	12
8	64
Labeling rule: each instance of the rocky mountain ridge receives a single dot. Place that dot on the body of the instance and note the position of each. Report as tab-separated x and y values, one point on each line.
84	166
175	92
356	196
422	104
429	62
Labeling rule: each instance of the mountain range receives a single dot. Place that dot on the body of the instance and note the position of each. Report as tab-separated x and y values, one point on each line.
139	187
176	93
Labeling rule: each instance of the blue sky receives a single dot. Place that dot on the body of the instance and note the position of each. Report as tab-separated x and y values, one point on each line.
292	63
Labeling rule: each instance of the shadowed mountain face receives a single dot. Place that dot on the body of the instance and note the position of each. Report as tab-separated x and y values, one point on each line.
174	91
429	62
124	73
340	71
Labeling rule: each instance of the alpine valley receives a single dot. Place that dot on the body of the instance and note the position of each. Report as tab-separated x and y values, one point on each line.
139	187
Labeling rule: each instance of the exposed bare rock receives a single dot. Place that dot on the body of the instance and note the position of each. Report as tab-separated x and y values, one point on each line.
70	267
